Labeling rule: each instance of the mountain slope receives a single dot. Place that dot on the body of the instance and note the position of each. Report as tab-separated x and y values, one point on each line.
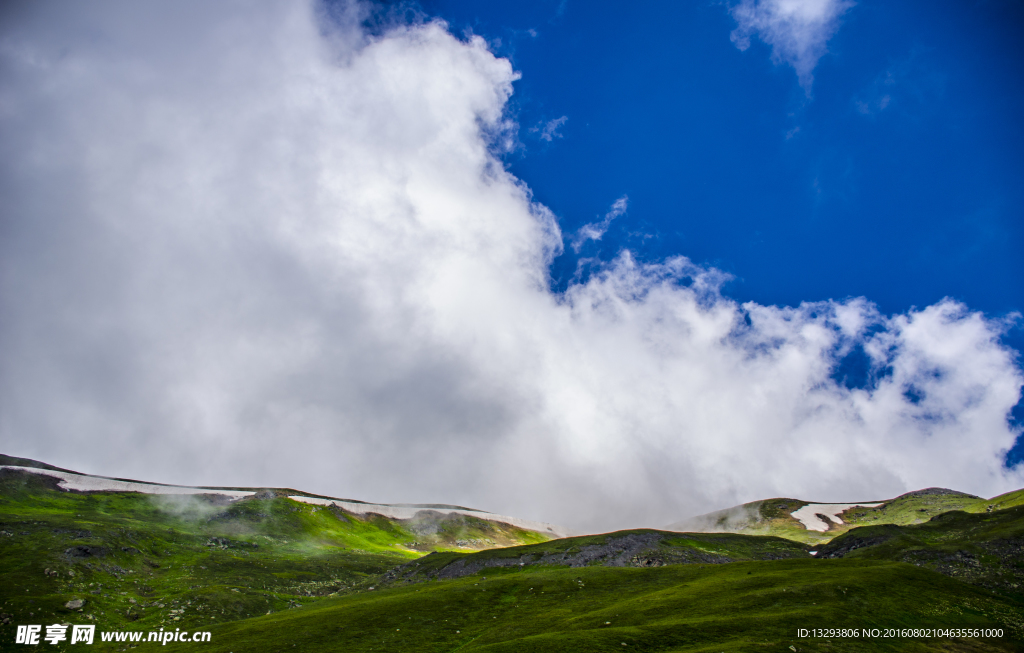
269	570
743	606
75	481
776	516
636	548
657	591
985	549
188	559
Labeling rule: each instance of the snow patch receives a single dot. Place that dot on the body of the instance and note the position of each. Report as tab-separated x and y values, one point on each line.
85	483
810	515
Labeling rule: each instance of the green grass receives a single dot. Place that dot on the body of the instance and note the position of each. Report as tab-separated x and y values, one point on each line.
149	561
744	606
271	574
635	548
986	549
773	516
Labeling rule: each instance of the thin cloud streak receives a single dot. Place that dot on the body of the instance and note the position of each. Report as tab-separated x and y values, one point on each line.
596	230
287	255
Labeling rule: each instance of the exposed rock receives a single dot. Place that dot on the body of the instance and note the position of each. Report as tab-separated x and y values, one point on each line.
843	546
225	543
74	604
75	533
85	551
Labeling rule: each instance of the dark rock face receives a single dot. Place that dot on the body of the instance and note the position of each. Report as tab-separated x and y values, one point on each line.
115	570
341	513
845	545
73	533
646	561
84	551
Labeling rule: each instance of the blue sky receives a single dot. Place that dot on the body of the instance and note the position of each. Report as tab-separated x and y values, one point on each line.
897	177
599	265
897	180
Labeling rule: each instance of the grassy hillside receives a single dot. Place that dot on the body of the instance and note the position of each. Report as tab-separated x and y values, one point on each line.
985	549
743	606
774	516
146	561
269	574
637	548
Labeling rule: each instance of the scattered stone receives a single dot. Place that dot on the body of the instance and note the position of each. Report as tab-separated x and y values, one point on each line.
74	604
84	551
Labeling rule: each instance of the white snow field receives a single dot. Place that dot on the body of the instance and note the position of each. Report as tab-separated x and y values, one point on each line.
87	483
808	515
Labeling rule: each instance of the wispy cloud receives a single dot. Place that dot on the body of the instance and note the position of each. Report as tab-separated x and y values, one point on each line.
906	80
595	230
278	259
797	30
548	131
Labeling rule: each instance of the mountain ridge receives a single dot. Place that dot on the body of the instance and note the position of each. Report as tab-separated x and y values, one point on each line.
779	516
76	481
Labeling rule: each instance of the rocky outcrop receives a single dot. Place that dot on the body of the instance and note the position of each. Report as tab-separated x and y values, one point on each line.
84	551
629	550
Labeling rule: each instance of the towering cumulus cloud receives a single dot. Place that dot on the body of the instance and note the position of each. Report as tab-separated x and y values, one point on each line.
252	244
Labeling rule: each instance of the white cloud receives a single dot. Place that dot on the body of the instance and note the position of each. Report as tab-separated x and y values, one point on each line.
596	230
237	251
549	130
797	30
